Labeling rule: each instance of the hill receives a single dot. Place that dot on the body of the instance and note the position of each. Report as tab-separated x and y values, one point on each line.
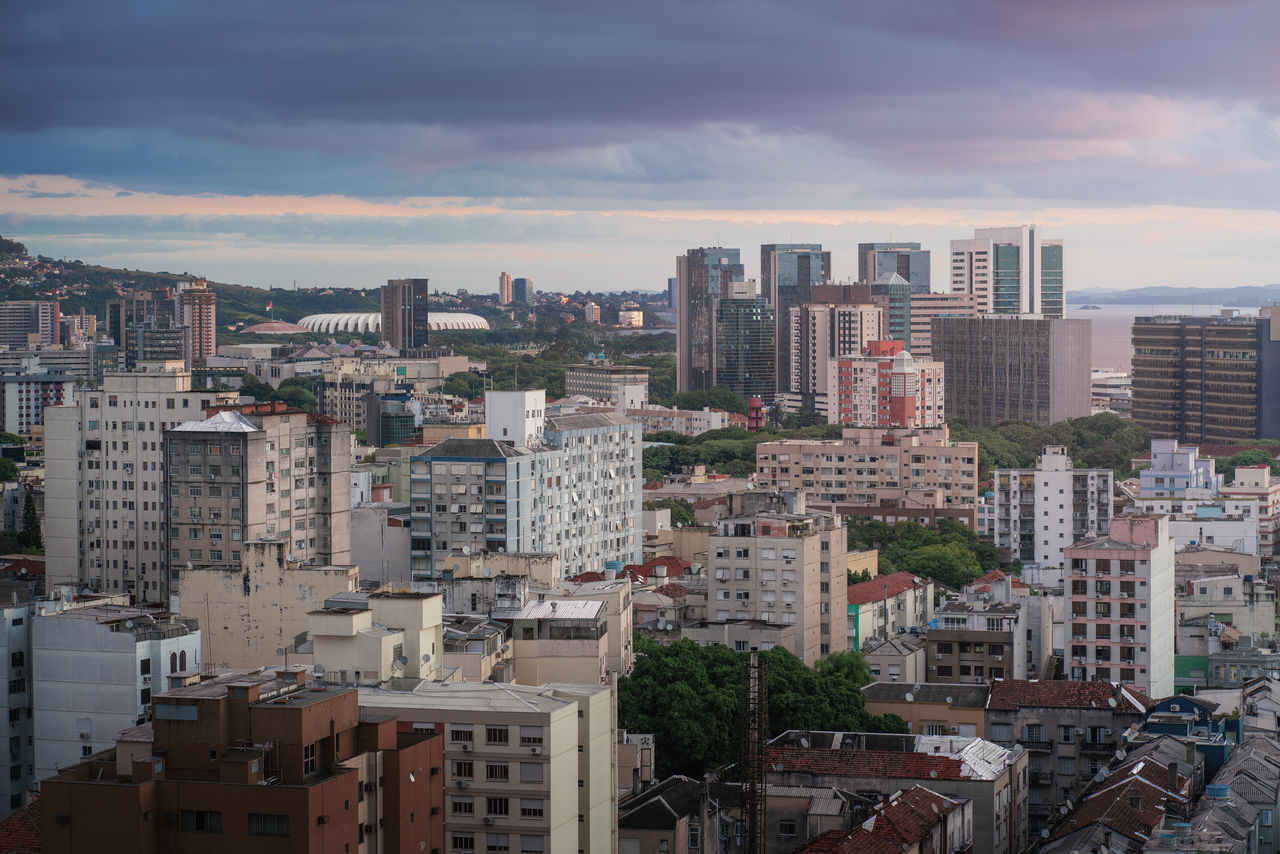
1246	296
89	287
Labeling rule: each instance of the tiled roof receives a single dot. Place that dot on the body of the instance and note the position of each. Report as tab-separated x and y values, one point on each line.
20	833
661	806
672	590
895	645
882	586
1013	694
962	696
909	816
1131	809
866	763
984	582
856	841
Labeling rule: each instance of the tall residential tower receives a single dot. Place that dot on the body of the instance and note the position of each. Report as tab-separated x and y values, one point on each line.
1010	270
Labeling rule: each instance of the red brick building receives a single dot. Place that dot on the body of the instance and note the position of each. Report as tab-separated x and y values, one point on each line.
248	762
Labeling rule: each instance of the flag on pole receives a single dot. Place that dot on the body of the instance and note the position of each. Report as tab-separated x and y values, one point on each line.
269	305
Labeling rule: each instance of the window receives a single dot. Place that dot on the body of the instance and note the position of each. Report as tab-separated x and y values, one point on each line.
1066	735
464	806
695	836
531	845
787	827
461	733
497	806
530	772
201	821
496	843
496	771
530	735
309	759
496	735
530	808
463	768
1066	765
265	824
463	842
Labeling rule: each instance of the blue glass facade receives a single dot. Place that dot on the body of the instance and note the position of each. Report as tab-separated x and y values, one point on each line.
787	273
745	331
703	275
908	260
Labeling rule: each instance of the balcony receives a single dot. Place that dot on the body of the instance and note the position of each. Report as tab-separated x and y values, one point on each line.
1043	746
1040	808
1097	747
1042	778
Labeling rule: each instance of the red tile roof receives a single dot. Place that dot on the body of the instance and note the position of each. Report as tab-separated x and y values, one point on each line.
984	583
909	817
20	833
881	586
1013	694
673	590
856	841
866	763
1129	806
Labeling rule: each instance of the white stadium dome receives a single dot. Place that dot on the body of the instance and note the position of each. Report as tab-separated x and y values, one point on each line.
371	321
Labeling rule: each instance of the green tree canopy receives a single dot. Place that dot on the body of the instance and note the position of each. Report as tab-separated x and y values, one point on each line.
1097	441
681	512
8	470
1251	457
690	698
11	439
30	539
948	552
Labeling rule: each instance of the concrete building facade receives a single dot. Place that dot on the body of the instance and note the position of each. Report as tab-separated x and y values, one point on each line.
1041	511
1010	270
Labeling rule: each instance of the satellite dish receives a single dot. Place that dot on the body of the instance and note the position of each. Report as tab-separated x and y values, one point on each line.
1120	754
488	572
279	650
426	658
804	742
1111	701
318	670
950	701
128	624
466	550
399	663
933	774
502	550
910	698
1044	834
189	565
1100	776
506	647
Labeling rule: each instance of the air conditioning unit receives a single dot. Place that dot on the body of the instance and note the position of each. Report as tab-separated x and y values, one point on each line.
999	658
488	819
1124	595
535	749
466	746
462	784
937	656
955	730
84	736
322	819
368	828
146	679
369	787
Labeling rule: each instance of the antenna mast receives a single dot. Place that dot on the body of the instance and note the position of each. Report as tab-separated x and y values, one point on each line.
755	732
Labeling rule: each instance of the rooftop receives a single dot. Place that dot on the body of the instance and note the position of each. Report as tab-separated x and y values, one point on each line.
915	757
960	696
480	448
476	696
1014	694
225	421
883	586
563	609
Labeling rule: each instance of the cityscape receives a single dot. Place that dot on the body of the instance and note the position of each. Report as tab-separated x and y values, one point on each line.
477	488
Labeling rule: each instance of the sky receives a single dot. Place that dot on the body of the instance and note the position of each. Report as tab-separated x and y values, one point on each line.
585	145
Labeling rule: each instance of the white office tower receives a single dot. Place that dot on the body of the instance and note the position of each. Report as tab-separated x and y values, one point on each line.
1009	271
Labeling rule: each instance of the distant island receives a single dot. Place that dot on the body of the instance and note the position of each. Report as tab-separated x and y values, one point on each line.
1245	296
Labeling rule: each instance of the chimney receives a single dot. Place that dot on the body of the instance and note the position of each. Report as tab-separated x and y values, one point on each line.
1191	753
1173	776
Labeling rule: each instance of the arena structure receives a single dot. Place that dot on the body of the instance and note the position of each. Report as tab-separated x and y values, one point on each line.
371	321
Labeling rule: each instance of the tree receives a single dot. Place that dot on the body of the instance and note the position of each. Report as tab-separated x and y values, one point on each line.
11	439
690	698
1251	457
30	540
681	511
464	384
8	470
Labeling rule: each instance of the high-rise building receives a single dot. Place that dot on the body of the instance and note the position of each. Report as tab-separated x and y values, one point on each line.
1041	511
786	569
28	323
1008	368
522	290
404	313
159	338
892	294
25	394
504	288
196	307
818	333
600	379
568	484
886	387
672	292
104	480
908	260
137	306
1207	379
702	276
391	419
1009	270
744	346
925	307
788	274
591	312
1120	620
256	472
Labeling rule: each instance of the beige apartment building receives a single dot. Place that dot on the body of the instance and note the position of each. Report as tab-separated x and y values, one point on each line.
261	471
931	709
104	479
878	473
526	768
560	641
975	642
368	638
782	568
615	595
476	649
258	606
887	606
